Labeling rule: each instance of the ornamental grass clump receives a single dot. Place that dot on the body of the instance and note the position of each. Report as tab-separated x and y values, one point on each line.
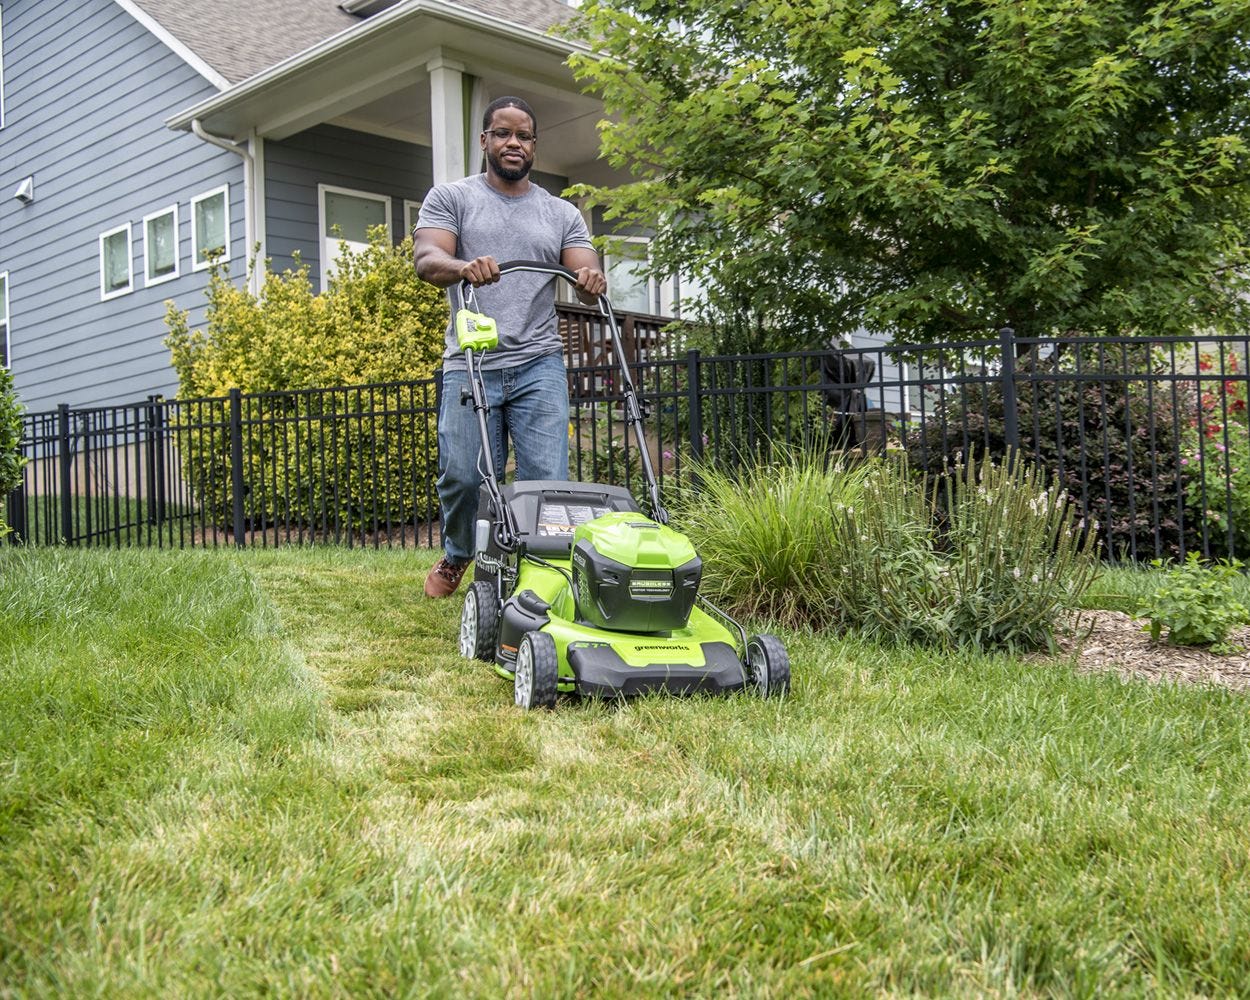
763	532
990	556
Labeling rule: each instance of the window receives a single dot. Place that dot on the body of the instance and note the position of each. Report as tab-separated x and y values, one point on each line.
629	289
160	246
632	290
4	319
116	271
412	210
210	228
346	217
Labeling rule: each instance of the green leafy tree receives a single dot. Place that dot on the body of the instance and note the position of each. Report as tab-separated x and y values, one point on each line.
929	170
11	461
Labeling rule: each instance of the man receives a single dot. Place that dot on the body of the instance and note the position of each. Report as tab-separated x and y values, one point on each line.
464	229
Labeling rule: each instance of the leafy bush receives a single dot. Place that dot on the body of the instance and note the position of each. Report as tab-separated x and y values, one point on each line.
1110	441
1216	452
988	557
11	461
1197	604
313	458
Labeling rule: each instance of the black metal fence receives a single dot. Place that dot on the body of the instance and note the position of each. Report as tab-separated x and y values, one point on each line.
1151	439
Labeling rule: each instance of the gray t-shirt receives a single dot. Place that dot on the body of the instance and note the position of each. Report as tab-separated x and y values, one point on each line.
534	226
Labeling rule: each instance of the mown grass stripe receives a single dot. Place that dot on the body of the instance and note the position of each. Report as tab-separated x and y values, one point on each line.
271	772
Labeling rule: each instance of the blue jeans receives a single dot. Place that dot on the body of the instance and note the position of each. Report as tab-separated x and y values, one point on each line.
529	404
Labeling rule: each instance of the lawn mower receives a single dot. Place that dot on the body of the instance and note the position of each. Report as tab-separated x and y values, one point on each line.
576	590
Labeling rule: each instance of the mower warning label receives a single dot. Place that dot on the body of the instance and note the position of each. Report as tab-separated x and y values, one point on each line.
562	518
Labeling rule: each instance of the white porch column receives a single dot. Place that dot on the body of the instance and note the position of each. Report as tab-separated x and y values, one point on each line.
447	118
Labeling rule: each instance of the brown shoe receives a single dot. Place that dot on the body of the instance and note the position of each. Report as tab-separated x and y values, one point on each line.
444	578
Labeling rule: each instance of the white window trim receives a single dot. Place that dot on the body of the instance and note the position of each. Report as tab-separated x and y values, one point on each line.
323	241
196	263
8	323
411	211
148	280
130	263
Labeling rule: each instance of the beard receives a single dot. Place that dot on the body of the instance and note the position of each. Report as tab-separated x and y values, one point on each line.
509	173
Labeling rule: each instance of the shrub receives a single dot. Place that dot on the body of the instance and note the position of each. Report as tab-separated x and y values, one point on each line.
1197	604
1110	441
1216	452
604	449
11	461
312	458
987	557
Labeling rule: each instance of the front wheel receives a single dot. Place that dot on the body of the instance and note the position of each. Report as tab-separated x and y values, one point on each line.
767	666
537	671
479	622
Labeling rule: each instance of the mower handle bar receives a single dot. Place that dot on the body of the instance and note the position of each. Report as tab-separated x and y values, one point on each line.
536	267
633	412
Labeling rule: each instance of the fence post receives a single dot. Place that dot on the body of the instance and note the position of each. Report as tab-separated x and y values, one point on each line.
1011	415
156	460
15	515
236	463
692	405
67	470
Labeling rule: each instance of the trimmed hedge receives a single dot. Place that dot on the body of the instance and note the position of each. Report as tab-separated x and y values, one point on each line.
377	323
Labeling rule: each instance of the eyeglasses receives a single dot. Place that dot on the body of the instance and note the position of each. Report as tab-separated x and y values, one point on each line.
504	134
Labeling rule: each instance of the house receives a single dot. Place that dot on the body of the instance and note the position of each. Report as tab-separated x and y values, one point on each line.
138	138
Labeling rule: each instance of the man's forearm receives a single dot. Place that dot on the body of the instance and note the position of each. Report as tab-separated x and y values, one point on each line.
437	266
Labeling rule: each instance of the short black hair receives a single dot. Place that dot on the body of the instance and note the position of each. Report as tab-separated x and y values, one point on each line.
508	102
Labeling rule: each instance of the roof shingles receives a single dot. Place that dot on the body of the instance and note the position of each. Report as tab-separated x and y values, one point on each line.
240	38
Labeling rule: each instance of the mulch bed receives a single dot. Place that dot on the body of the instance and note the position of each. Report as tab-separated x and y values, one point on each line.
1111	641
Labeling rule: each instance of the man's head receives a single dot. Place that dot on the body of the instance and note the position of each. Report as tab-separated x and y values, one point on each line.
512	156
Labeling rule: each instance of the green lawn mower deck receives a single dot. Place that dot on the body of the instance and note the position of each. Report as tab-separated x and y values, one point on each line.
576	590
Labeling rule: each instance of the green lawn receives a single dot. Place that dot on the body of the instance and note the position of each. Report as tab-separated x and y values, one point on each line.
270	773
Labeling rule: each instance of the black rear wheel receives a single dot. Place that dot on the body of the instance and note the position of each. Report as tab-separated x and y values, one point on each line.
537	671
767	666
479	622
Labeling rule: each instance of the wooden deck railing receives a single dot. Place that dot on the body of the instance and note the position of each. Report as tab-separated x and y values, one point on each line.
587	342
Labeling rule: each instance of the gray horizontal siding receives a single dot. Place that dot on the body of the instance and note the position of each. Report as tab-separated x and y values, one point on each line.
339	157
87	89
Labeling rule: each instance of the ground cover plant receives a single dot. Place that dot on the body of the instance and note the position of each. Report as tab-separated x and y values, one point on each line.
1196	604
270	773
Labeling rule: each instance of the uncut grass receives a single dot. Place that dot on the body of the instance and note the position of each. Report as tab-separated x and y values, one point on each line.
904	822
